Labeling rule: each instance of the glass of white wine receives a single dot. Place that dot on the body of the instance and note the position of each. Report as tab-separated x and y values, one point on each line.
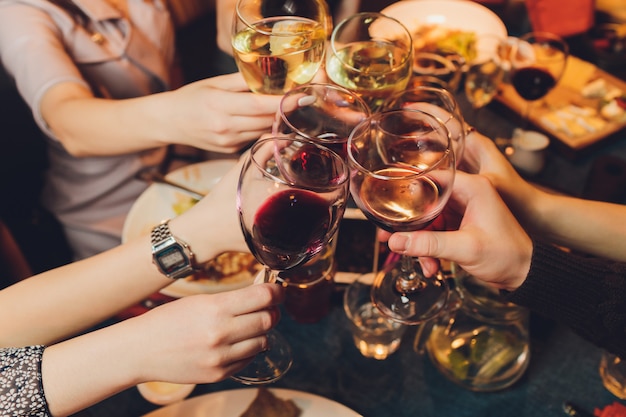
485	71
372	55
279	44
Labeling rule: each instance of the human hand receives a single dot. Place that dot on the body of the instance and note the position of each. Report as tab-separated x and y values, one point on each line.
220	114
488	243
203	338
483	157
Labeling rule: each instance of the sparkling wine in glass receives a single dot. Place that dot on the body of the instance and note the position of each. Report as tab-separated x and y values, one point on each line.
290	198
324	113
372	55
538	62
402	170
485	71
438	102
279	44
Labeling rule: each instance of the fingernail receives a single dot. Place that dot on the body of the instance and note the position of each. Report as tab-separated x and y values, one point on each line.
398	242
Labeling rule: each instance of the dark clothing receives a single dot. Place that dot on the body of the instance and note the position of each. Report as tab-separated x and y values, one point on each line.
586	294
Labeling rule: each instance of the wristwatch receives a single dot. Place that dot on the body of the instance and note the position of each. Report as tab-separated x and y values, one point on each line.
172	256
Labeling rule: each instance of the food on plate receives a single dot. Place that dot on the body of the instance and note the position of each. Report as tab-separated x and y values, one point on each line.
183	203
436	38
266	404
229	266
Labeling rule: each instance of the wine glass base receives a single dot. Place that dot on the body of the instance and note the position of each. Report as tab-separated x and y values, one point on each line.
409	306
270	365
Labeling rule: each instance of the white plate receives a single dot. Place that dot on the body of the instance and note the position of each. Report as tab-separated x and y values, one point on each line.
464	15
233	403
157	203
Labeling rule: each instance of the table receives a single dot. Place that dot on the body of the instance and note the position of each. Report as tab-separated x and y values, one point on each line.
563	367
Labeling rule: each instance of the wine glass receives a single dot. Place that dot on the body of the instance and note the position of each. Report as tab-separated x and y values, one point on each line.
485	71
290	198
279	44
447	68
372	55
537	63
402	170
324	113
438	102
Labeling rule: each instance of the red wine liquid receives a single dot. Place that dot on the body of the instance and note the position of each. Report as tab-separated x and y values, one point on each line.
289	228
532	83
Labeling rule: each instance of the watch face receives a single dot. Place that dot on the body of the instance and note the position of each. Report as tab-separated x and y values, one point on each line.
172	259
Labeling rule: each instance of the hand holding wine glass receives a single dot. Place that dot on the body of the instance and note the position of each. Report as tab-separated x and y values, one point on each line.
538	62
402	171
279	44
291	196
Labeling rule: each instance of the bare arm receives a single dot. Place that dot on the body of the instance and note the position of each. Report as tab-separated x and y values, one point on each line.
588	226
197	339
218	114
58	303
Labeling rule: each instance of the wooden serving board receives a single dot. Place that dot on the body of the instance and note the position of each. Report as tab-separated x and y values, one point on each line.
578	73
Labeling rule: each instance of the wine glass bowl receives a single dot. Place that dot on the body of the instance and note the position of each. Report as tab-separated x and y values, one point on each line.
402	170
324	113
537	62
372	55
279	44
437	101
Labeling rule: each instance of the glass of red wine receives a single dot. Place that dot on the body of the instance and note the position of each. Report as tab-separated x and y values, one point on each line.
402	170
537	63
291	196
324	113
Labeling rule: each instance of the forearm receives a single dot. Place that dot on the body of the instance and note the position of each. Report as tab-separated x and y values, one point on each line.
586	294
64	301
591	227
90	368
89	126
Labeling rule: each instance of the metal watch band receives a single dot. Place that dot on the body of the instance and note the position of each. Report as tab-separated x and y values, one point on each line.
163	243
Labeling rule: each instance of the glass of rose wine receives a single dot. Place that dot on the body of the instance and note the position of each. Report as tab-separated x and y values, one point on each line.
279	44
537	63
372	55
324	113
291	196
438	102
402	171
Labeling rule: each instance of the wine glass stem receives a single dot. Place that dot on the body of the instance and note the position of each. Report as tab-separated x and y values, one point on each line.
410	280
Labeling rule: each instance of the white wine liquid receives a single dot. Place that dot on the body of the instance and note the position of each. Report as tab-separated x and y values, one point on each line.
278	54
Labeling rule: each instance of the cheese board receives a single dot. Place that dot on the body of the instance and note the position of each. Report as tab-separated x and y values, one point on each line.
574	112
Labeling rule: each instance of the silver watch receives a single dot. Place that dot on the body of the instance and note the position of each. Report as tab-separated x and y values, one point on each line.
172	256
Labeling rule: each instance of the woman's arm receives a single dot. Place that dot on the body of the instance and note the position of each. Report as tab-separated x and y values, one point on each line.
61	302
197	339
587	226
218	114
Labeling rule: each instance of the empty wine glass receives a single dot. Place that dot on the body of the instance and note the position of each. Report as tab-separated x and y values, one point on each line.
438	102
402	170
372	55
290	198
279	44
445	67
537	63
324	113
